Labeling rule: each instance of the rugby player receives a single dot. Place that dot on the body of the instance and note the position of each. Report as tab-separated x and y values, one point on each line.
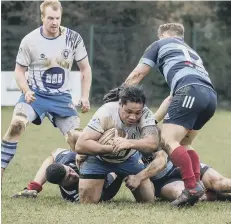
168	182
48	53
60	168
130	115
193	104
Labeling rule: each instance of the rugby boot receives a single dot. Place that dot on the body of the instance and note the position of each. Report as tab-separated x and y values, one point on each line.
189	196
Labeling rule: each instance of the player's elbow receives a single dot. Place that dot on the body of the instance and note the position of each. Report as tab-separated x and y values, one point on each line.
153	145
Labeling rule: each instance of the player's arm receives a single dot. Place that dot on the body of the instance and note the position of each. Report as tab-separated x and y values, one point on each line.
20	78
163	108
35	186
153	168
88	143
85	70
135	77
23	60
148	60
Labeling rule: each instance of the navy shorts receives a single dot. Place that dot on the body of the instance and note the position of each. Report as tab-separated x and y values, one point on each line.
192	106
173	175
94	168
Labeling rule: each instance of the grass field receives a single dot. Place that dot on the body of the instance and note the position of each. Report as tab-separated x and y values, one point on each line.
213	145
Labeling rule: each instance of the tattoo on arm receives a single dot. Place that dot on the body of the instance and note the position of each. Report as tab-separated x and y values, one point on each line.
151	130
165	147
134	79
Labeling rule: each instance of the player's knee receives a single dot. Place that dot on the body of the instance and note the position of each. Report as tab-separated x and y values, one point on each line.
17	126
176	193
87	197
216	183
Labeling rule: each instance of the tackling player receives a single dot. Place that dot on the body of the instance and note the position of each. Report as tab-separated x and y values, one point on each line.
48	53
193	104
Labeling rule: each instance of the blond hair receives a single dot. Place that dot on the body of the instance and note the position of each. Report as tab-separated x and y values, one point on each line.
55	4
174	29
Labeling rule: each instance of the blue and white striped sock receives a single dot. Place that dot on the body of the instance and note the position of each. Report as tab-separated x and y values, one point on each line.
8	150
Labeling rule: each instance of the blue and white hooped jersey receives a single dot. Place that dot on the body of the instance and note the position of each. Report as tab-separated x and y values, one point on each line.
49	61
178	63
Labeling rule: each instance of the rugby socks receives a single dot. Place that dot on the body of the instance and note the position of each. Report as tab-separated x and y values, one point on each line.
181	159
8	150
195	163
34	186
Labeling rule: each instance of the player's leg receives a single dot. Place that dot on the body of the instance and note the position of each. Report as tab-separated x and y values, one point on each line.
213	180
132	166
92	176
69	127
186	142
182	115
22	116
111	186
145	192
172	189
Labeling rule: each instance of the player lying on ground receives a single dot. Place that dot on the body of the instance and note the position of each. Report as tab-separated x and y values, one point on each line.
48	53
60	168
119	155
168	182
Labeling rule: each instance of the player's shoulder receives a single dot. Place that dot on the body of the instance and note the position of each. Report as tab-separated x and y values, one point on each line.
170	40
67	31
110	107
31	36
147	117
34	33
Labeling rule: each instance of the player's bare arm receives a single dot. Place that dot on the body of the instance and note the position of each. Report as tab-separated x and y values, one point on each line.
88	143
149	141
153	168
35	186
163	108
140	71
22	82
85	70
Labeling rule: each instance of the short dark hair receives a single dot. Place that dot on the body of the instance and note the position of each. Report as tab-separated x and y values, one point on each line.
55	173
134	94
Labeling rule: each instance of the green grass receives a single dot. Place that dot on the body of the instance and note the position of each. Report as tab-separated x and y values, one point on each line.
213	145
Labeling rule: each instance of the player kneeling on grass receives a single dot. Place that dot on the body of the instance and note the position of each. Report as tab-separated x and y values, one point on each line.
168	182
120	154
60	168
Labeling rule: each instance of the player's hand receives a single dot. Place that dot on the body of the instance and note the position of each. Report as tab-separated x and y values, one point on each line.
85	104
80	159
25	193
120	143
132	182
29	96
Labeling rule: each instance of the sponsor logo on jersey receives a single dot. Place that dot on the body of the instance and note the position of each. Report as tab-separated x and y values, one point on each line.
42	56
53	78
65	53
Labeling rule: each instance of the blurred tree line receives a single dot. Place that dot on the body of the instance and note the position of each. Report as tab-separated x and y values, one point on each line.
117	33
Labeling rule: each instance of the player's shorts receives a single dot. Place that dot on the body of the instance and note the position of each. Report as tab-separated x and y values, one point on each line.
94	168
192	106
173	175
58	108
